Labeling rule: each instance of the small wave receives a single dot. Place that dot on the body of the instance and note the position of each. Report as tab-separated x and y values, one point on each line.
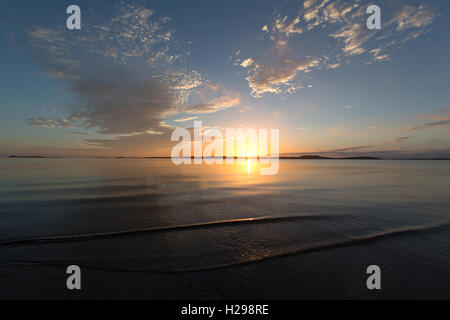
327	245
320	246
212	224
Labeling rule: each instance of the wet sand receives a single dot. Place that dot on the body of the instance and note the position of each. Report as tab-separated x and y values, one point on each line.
338	273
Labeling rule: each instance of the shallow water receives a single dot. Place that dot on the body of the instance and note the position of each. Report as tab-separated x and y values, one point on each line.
150	215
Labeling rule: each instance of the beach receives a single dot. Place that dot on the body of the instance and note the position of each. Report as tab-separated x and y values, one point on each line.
147	229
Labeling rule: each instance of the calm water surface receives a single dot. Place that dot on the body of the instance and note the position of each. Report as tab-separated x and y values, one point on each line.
193	214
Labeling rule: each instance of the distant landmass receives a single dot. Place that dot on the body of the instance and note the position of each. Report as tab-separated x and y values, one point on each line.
33	157
304	157
428	159
315	157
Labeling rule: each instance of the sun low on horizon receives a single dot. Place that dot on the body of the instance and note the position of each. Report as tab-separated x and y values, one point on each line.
134	72
224	159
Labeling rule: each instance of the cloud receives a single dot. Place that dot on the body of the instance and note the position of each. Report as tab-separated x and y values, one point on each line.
309	3
51	123
128	74
440	115
354	38
123	105
439	119
343	26
398	140
405	23
247	63
277	76
286	28
442	123
414	17
333	66
139	145
135	33
215	105
185	119
340	131
350	148
348	107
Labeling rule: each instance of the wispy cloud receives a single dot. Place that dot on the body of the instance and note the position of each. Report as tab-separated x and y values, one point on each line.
398	140
341	131
185	119
409	17
280	69
277	76
333	66
215	105
51	123
406	23
442	123
135	32
135	145
441	119
348	149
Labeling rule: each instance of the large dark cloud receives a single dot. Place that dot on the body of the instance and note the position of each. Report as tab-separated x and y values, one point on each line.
123	106
125	75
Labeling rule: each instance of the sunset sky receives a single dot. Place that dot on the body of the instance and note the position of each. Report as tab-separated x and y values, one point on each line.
312	69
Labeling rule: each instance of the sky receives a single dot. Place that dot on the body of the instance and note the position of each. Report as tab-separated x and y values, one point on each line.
137	70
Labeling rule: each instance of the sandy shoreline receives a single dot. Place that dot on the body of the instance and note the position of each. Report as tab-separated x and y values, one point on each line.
339	273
